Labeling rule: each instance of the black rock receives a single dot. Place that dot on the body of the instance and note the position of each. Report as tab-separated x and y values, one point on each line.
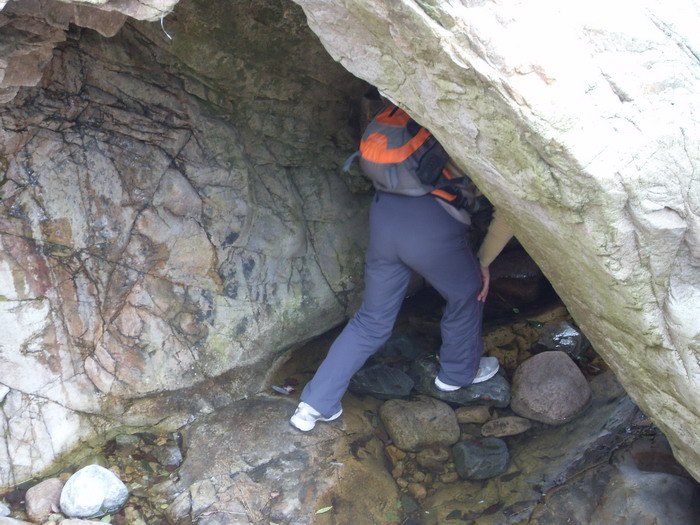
401	347
564	337
481	458
382	382
494	392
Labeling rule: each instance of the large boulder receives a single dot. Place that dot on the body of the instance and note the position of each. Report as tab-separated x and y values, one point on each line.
172	219
247	464
580	122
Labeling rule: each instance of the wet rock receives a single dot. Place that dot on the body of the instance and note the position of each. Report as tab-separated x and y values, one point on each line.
449	477
99	459
549	457
650	455
474	414
494	392
43	499
617	487
168	455
549	388
481	459
470	431
126	440
605	386
91	492
633	497
247	469
498	336
433	459
575	501
509	356
83	522
404	346
394	454
408	504
417	490
414	425
12	521
564	337
382	382
506	426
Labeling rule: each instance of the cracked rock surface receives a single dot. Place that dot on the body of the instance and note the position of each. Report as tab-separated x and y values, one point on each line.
170	219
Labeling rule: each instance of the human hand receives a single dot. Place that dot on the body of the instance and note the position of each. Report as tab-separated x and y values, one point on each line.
485	278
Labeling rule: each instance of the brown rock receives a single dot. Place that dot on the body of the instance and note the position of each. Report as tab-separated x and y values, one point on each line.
506	426
43	499
394	454
414	425
470	430
433	459
449	477
498	337
507	356
417	490
474	414
418	477
549	388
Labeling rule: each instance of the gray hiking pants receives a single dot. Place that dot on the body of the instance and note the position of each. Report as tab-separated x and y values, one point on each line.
407	234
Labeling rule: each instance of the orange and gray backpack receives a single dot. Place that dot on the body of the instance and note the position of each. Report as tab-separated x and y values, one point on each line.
400	156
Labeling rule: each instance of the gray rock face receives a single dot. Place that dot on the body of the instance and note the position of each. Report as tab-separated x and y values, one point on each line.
25	58
549	388
92	492
157	233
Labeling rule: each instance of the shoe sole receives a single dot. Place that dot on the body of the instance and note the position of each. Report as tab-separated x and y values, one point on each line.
476	381
485	378
449	389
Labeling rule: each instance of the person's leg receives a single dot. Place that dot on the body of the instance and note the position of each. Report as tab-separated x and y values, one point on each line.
439	252
386	281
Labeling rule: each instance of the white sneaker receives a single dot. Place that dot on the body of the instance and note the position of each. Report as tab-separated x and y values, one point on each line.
488	367
444	387
305	417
